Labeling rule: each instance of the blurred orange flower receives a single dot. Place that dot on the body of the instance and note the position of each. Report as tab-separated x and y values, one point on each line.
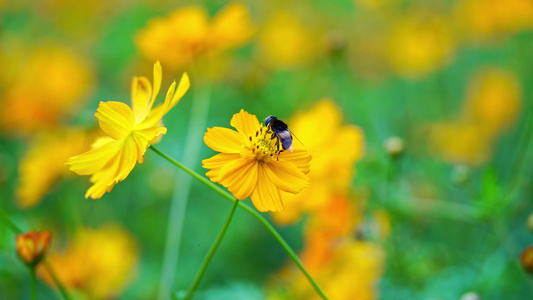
130	131
32	246
49	152
420	44
335	149
250	165
187	35
42	88
98	263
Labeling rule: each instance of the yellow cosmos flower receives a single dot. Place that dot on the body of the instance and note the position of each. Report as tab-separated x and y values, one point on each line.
130	131
187	34
335	150
97	263
249	165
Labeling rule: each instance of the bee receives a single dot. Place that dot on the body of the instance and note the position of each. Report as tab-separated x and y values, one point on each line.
281	131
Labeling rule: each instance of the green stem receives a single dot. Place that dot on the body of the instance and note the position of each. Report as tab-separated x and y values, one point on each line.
211	252
58	284
4	218
254	213
33	284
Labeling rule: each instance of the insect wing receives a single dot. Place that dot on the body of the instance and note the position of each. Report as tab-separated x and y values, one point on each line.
286	140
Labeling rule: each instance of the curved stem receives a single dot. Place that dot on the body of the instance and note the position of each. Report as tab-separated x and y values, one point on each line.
254	213
58	284
210	253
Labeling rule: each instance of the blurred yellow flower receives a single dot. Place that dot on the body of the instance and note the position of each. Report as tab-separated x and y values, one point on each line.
32	246
42	88
493	100
460	142
286	41
130	131
420	44
49	152
98	263
492	105
249	164
483	19
335	149
187	35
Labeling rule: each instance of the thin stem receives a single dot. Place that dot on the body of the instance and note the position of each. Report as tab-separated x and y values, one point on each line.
254	213
178	204
4	218
58	284
33	284
211	252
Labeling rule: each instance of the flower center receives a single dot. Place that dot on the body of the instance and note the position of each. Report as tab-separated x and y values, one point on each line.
263	145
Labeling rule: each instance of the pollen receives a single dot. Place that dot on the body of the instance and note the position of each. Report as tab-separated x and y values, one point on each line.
262	146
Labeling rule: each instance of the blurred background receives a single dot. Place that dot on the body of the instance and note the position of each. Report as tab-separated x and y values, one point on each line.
418	115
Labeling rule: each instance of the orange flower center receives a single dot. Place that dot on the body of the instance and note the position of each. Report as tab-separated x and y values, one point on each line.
263	145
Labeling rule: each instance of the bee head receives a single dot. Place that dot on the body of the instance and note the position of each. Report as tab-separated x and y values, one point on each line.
269	120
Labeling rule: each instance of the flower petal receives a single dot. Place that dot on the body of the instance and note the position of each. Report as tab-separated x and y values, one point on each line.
286	176
116	119
94	160
141	92
144	137
223	140
266	196
216	163
245	123
183	87
299	157
240	177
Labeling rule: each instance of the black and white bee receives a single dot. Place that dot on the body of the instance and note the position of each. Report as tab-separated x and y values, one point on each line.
280	131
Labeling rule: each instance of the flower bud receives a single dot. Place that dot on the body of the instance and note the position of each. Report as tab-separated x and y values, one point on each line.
527	259
394	146
32	246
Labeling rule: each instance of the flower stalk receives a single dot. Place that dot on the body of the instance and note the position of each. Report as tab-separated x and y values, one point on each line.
211	252
254	213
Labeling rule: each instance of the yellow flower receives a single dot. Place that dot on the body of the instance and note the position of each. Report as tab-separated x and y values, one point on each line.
48	152
335	149
37	94
249	165
483	19
287	42
130	131
187	35
32	246
420	44
98	263
493	100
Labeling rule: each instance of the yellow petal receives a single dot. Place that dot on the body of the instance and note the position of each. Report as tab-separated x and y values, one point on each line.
216	163
223	140
299	157
183	87
240	177
245	123
141	92
94	160
158	76
116	119
266	196
144	137
286	176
